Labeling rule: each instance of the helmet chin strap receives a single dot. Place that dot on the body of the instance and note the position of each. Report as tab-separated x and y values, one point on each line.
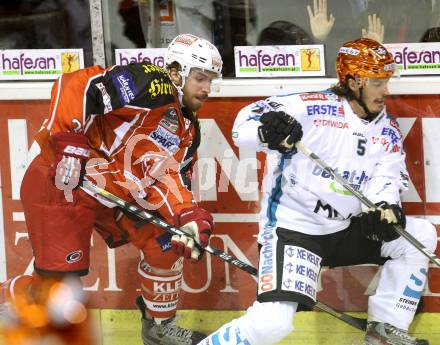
370	115
180	88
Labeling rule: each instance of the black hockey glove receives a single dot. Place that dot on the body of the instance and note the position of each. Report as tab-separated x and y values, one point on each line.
377	223
280	131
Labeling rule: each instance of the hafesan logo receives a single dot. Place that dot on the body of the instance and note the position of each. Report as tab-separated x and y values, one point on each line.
310	60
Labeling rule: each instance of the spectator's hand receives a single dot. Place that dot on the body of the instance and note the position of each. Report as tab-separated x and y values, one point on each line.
375	29
319	23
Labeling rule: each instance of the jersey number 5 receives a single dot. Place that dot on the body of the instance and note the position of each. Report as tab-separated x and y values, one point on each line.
361	146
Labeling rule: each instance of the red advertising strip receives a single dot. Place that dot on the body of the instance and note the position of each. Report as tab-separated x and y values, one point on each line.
211	284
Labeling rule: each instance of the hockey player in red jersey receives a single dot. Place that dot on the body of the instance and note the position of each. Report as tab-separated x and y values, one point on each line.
307	220
131	130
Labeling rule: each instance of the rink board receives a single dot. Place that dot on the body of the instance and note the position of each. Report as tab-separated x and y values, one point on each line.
123	327
231	197
311	328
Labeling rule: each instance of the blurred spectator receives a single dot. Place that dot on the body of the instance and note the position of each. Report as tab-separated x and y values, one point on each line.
282	32
46	24
234	21
129	11
431	35
155	23
404	20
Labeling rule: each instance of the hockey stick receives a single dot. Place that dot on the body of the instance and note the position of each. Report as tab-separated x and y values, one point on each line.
356	322
344	183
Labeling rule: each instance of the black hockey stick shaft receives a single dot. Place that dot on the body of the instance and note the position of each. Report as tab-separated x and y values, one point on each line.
358	323
363	199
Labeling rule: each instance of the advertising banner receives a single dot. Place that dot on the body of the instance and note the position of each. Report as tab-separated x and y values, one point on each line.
155	56
39	64
279	61
229	180
416	58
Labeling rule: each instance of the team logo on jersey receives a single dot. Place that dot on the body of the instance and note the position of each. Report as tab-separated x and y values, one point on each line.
74	256
166	140
170	120
275	105
124	86
264	106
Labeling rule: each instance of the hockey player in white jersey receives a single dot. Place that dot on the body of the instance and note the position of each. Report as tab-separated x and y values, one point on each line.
307	220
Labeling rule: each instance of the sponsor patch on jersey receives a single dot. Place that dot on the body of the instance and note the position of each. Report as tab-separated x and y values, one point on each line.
150	68
165	139
325	109
170	120
267	275
106	100
159	87
353	177
314	96
330	123
395	124
392	134
140	184
300	271
124	86
164	241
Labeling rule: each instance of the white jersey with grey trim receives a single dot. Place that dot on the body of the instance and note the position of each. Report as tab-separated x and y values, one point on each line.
297	193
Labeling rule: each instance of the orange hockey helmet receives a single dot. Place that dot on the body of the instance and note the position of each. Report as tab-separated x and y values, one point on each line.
364	58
